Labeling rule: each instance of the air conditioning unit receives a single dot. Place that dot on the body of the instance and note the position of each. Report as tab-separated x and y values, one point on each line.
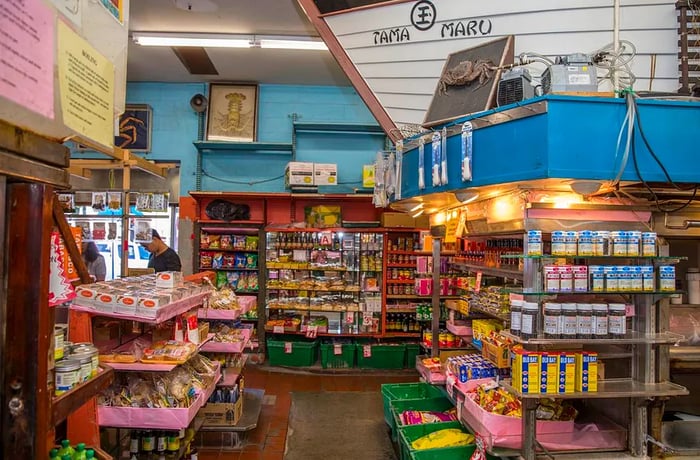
515	86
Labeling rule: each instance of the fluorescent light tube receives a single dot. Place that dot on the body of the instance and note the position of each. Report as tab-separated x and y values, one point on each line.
293	44
204	41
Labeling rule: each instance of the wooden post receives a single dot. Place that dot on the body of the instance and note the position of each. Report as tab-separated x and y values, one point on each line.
29	322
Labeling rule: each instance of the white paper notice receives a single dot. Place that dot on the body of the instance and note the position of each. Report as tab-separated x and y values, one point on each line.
71	10
27	34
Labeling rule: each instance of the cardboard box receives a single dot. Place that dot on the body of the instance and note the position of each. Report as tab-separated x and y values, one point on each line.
549	373
368	176
422	221
323	216
567	372
498	355
325	174
586	372
397	219
525	371
297	173
222	414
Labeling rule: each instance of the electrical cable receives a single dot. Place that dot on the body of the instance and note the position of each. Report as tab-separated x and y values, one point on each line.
651	151
272	179
629	124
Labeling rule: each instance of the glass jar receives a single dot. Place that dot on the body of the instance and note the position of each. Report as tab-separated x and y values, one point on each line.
584	320
568	321
599	321
617	320
516	307
529	320
552	320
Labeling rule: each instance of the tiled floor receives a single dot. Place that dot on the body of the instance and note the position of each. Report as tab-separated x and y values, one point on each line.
267	441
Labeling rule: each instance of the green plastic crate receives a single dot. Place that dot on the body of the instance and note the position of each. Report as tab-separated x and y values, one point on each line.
398	391
408	434
412	351
437	404
304	353
344	360
381	357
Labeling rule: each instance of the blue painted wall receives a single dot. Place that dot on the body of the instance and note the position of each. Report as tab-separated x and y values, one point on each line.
175	127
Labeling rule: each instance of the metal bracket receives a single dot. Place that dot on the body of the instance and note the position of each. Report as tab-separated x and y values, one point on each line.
659	444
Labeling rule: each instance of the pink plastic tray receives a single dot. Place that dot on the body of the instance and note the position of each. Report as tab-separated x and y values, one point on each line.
436	378
238	347
163	314
503	431
150	367
164	419
459	329
245	304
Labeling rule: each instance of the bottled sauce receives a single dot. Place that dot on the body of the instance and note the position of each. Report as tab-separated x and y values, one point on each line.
161	441
65	449
148	442
134	441
80	453
173	445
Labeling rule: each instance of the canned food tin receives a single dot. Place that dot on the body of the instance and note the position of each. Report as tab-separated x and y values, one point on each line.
67	374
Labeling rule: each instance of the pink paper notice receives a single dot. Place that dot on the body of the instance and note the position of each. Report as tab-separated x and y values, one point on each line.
27	31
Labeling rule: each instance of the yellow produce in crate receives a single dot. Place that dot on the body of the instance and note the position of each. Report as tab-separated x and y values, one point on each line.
450	437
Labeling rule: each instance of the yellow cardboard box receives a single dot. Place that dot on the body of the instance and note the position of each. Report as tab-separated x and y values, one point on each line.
397	219
549	373
323	216
567	372
586	371
525	371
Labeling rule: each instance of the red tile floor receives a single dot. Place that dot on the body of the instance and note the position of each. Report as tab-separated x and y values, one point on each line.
267	441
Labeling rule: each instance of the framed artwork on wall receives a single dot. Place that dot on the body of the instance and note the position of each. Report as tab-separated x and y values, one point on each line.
233	112
135	126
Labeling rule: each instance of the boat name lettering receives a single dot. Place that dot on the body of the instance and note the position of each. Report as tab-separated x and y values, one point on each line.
391	36
467	29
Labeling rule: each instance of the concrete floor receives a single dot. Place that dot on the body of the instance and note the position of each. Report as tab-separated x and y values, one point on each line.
267	441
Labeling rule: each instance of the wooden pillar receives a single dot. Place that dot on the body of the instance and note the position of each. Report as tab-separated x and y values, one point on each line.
28	323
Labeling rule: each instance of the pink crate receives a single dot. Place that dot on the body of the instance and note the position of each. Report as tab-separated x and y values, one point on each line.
503	431
459	329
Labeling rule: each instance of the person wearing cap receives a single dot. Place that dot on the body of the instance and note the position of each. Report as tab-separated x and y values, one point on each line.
163	258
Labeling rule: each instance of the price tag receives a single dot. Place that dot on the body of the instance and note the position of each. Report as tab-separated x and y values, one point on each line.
477	283
278	329
311	332
367	351
337	349
629	310
287	347
350	317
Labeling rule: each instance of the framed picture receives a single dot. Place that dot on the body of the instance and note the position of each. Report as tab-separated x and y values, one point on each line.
135	126
233	112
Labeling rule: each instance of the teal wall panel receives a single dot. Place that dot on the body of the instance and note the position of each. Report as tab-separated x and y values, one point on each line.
175	127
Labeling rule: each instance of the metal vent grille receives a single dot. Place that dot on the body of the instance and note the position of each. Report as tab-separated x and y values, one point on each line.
546	82
510	91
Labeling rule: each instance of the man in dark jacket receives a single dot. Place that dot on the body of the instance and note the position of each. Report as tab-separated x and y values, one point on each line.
163	258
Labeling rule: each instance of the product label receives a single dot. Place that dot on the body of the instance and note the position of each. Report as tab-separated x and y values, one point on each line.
586	372
566	279
585	243
551	324
527	325
515	320
600	325
571	243
648	282
583	324
567	372
551	279
569	325
667	278
617	325
548	373
65	380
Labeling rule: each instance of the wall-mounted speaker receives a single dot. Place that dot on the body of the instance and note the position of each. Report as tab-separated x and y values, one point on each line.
198	103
